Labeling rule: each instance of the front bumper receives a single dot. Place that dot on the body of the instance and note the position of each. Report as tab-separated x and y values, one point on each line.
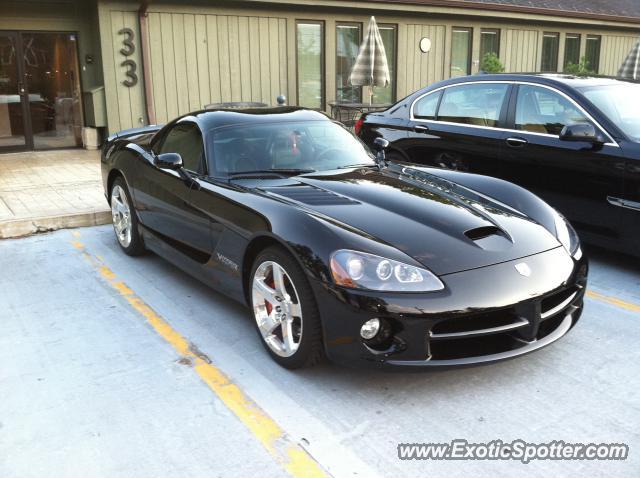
482	316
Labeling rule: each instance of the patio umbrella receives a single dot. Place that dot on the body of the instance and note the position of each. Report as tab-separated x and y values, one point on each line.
371	67
630	68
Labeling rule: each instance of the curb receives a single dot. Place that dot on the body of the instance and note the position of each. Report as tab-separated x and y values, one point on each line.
28	226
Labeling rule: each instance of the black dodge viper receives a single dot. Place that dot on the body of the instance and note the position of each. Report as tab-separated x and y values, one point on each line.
339	252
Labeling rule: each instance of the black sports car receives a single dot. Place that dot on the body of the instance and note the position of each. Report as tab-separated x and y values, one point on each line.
573	141
338	252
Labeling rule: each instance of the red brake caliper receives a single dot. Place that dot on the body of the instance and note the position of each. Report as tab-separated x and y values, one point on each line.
271	283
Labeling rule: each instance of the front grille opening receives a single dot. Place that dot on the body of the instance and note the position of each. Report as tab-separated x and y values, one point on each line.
556	299
472	347
476	322
549	326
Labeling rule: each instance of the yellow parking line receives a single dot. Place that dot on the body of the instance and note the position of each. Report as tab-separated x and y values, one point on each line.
275	440
613	301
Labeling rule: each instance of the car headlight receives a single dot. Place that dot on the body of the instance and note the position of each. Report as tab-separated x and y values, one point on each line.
567	235
359	270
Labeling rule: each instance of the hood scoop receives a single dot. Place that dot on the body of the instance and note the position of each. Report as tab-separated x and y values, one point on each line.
482	232
311	195
489	238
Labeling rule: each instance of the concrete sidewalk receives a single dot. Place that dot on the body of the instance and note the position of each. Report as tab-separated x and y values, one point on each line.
48	190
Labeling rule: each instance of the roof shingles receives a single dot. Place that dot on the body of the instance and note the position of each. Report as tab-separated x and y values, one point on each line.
614	8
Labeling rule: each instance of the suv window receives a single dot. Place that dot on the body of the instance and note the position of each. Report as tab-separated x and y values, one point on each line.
186	140
476	104
541	110
425	107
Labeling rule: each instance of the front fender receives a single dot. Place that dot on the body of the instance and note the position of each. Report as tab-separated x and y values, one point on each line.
503	191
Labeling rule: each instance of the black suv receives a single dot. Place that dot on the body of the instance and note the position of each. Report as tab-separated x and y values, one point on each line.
574	141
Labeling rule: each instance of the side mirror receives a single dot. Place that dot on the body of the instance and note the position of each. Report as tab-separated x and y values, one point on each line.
380	144
581	132
172	161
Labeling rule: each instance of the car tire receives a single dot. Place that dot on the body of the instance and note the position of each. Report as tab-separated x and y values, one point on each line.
452	161
286	315
395	157
124	219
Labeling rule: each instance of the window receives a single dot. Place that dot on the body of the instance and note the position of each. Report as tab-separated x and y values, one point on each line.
619	102
489	43
461	51
571	49
550	42
425	107
348	38
186	140
310	64
476	104
541	110
389	35
592	52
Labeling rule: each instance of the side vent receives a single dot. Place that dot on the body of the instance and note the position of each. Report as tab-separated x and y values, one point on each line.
311	195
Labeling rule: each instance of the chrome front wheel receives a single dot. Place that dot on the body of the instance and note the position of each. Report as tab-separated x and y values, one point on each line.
277	309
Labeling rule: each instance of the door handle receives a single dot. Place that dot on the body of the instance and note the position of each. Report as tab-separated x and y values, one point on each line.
421	129
21	89
516	142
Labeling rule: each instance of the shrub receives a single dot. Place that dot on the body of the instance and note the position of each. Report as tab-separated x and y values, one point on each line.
579	69
491	64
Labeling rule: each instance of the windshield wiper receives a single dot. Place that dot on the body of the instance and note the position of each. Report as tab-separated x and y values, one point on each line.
359	165
260	173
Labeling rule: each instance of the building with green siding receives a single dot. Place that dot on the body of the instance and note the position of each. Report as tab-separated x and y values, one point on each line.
70	64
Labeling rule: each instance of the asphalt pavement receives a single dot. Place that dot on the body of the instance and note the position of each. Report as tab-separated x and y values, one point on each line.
120	366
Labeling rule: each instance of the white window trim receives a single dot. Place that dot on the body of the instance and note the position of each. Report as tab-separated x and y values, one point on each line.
611	141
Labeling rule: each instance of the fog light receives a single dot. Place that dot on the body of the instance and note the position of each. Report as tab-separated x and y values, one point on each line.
370	329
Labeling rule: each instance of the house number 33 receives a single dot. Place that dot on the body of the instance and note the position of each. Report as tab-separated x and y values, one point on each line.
128	49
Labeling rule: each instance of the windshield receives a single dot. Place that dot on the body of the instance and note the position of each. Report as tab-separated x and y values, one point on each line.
300	146
620	103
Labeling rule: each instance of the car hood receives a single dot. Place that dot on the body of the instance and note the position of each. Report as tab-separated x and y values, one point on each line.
444	226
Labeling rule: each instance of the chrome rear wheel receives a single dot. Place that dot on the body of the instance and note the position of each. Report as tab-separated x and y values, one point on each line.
125	220
121	214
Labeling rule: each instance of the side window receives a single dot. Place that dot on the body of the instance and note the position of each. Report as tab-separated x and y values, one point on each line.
540	110
425	107
186	140
476	104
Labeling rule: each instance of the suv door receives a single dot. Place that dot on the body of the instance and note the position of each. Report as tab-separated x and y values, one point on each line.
457	127
574	177
164	198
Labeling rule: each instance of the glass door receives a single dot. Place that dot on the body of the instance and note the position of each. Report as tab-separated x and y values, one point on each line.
40	103
52	81
348	38
14	125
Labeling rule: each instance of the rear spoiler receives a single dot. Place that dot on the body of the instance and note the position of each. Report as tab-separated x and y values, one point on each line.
125	133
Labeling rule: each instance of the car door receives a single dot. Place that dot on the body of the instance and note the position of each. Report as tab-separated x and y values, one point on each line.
630	203
458	127
577	178
227	206
164	196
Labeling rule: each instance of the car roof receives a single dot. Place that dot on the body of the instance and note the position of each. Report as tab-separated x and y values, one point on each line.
566	83
209	119
543	78
556	79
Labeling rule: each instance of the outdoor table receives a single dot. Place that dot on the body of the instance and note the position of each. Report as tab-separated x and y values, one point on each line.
235	104
348	113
